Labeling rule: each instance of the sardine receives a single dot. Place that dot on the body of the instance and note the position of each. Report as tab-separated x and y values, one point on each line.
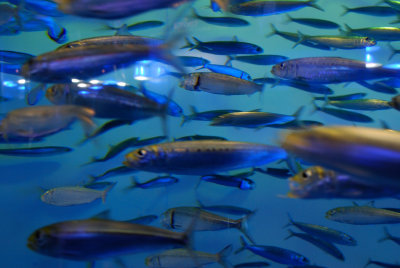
382	264
106	127
353	96
157	182
258	59
371	10
361	104
204	116
223	69
36	151
316	23
222	21
378	87
117	171
377	33
190	61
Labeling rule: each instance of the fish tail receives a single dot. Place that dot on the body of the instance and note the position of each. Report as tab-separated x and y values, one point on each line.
84	115
244	245
164	53
229	60
395	21
223	254
291	234
368	263
291	221
134	183
91	161
314	5
243	227
392	51
315	107
185	118
348	28
346	10
105	192
188	44
92	179
274	30
57	33
301	37
196	44
387	236
288	19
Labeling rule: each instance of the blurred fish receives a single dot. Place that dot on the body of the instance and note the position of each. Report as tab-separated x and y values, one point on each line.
377	33
202	157
93	239
223	69
390	237
222	21
191	61
353	96
325	233
258	59
157	182
200	137
189	259
363	215
378	87
361	104
223	47
172	107
282	173
276	254
117	171
392	82
308	87
381	11
204	116
75	195
382	264
233	210
316	23
270	7
8	12
328	247
14	57
337	41
319	182
138	26
106	127
238	181
345	115
180	218
37	121
216	83
116	9
327	70
36	151
258	264
334	147
297	124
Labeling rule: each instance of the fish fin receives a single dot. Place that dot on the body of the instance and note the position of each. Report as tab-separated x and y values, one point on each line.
188	44
105	214
288	19
291	221
313	4
244	245
298	112
302	38
122	30
346	10
197	43
368	263
387	236
291	234
355	204
315	107
105	192
348	28
235	38
274	30
35	94
91	161
293	165
244	226
228	62
202	67
185	118
193	110
134	183
392	51
57	33
223	254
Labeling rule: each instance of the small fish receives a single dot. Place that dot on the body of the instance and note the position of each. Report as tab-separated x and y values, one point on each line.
107	239
189	259
308	87
276	254
270	7
98	185
223	47
344	114
353	96
361	104
106	127
316	23
222	21
324	233
223	69
157	182
71	196
240	182
202	157
258	264
282	173
363	215
233	210
14	57
378	87
38	121
121	170
138	26
190	61
382	264
258	59
381	11
216	83
390	237
180	218
204	116
377	33
200	137
145	220
328	247
36	151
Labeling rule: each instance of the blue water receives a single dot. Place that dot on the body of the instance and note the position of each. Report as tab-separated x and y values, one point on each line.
22	179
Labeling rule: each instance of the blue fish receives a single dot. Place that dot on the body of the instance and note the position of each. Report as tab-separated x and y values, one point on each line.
157	182
239	180
173	108
36	151
223	69
190	61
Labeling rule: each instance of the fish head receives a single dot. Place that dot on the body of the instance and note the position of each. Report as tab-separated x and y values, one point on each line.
257	49
350	240
333	214
143	157
285	69
43	241
368	42
57	94
308	183
190	82
47	197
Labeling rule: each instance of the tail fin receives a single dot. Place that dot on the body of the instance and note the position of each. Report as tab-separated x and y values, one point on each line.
291	221
368	263
105	192
346	10
243	226
134	184
291	234
288	19
244	245
35	94
223	254
273	32
314	5
387	236
301	37
228	62
122	30
348	29
393	51
188	44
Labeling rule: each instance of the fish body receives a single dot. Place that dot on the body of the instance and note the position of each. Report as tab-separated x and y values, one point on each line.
37	121
270	7
377	33
201	157
308	87
189	259
337	41
191	61
93	239
351	150
117	171
233	210
204	116
316	23
393	3
232	181
379	87
259	59
328	247
106	100
345	115
138	26
223	69
161	181
327	70
372	10
222	21
363	215
217	83
116	149
76	195
361	104
36	151
353	96
251	119
223	47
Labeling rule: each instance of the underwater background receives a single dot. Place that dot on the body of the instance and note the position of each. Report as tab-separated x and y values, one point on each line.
24	178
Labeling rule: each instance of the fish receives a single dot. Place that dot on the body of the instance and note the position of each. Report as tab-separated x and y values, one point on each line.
93	239
275	254
200	137
190	61
390	237
39	121
172	107
361	104
270	7
222	21
254	119
204	116
202	157
75	195
381	11
216	83
106	127
137	26
223	47
377	33
237	181
352	96
107	101
258	264
392	82
328	247
282	173
326	70
14	57
36	151
393	3
316	23
308	87
112	10
145	220
117	171
337	41
224	69
258	59
378	87
157	182
228	209
179	218
362	215
43	7
319	182
333	147
98	185
189	259
382	264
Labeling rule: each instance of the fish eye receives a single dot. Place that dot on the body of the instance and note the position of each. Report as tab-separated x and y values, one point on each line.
282	65
306	174
141	152
366	38
259	49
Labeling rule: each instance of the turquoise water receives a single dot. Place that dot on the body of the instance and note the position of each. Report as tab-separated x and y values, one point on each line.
24	178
